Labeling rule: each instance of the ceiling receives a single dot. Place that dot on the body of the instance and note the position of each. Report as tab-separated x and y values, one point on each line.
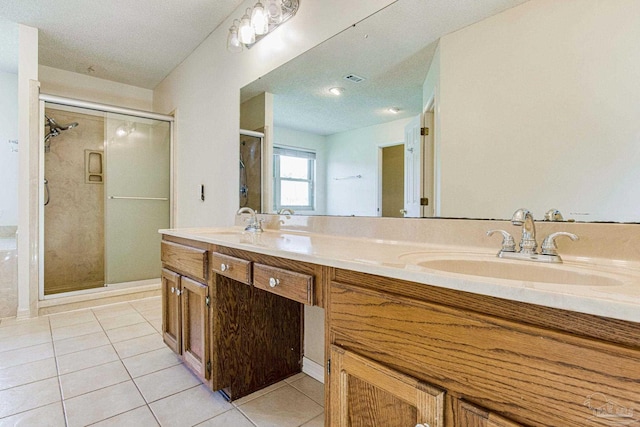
391	49
136	42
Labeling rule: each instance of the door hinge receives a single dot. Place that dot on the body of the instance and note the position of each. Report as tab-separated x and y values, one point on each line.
424	131
209	366
424	201
207	301
329	367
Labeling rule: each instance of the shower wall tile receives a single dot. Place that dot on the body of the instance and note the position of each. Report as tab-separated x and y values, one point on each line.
74	217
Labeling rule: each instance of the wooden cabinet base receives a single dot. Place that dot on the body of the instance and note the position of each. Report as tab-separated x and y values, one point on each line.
258	337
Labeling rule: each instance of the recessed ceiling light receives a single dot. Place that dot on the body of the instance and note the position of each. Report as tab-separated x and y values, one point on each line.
337	91
394	110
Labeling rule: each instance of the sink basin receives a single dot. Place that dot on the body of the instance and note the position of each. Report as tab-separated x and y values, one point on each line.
522	271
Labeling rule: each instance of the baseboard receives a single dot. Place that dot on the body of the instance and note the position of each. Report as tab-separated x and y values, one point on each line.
313	369
23	314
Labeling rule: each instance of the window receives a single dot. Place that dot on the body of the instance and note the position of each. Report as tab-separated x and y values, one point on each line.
294	176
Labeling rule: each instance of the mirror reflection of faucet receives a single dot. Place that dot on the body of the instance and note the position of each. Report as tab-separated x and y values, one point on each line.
254	224
527	249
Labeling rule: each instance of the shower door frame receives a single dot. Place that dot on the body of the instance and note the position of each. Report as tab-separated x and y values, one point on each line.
105	108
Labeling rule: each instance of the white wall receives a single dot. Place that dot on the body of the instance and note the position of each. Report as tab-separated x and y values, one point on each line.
205	90
541	103
353	153
8	152
316	143
54	81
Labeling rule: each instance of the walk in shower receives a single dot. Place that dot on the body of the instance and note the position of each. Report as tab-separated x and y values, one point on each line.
251	169
106	182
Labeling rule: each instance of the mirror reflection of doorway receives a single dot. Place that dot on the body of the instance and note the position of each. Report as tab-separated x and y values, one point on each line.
251	171
393	181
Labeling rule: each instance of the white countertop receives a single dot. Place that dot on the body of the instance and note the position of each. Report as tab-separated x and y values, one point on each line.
400	260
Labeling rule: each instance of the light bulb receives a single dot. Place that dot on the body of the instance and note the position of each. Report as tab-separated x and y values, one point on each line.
337	91
259	19
246	32
233	42
274	10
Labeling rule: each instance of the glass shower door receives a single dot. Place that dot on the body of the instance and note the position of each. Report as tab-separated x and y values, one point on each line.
137	188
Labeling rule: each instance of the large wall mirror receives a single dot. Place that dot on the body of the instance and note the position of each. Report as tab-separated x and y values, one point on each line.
532	104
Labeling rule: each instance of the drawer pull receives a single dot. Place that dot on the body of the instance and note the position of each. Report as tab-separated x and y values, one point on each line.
273	282
224	267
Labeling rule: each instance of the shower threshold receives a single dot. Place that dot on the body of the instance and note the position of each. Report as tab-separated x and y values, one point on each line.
110	294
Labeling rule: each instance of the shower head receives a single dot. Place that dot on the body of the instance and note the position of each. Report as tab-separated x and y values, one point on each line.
55	125
54	130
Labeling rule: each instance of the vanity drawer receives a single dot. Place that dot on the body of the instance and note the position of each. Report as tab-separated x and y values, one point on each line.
289	284
234	268
185	260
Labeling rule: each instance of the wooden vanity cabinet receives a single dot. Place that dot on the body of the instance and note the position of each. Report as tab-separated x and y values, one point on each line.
171	311
366	393
500	363
469	415
185	305
259	329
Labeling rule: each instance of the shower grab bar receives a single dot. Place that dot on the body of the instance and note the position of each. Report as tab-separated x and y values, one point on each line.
164	199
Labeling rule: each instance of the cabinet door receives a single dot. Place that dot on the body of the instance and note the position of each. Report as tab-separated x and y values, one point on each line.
365	393
171	310
469	415
195	327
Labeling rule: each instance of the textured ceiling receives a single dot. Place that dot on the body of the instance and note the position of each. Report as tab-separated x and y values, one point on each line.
137	42
392	49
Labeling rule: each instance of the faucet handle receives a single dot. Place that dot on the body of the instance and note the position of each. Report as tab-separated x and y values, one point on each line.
508	244
549	246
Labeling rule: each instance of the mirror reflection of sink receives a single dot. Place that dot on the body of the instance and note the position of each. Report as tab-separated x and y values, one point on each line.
522	271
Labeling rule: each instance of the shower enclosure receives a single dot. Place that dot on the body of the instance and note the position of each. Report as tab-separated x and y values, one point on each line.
106	194
251	169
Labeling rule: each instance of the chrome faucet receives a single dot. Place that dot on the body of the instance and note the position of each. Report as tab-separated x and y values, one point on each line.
528	245
523	217
254	224
553	215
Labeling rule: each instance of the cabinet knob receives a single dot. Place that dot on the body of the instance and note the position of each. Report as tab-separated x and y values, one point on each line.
178	292
273	282
422	425
224	267
173	289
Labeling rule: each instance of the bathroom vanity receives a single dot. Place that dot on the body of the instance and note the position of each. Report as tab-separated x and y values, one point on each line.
406	344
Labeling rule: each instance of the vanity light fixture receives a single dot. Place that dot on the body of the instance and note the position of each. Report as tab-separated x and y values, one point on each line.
259	21
233	40
337	91
246	32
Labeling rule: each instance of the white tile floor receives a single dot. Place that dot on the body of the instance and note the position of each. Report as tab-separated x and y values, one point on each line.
108	366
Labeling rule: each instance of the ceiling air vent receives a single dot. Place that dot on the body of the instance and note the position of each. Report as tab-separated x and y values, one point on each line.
354	78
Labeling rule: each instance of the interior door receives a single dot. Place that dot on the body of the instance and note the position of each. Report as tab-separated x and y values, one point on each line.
413	168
